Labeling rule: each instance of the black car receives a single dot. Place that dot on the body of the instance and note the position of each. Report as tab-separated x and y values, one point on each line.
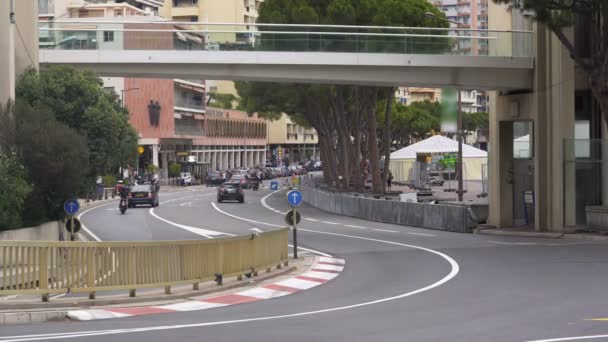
215	178
143	194
231	191
242	179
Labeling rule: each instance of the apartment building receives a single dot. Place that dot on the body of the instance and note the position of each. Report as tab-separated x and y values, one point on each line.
169	115
290	143
469	14
215	11
407	95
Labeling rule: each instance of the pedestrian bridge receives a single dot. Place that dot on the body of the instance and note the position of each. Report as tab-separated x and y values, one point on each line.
370	55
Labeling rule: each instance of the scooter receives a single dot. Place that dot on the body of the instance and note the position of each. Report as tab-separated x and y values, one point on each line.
123	205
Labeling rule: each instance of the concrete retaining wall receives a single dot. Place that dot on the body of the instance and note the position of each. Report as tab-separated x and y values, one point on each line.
45	232
451	218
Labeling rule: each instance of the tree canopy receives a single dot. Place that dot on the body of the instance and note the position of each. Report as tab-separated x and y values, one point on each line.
78	100
343	116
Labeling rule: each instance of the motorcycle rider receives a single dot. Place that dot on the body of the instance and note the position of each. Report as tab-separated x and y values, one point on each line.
123	193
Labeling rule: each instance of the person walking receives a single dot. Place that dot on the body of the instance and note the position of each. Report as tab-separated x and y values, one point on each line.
389	179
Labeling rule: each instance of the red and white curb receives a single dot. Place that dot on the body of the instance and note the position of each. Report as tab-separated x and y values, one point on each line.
323	271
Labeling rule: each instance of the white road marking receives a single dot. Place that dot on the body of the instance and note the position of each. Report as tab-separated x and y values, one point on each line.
420	234
353	226
312	251
329	267
332	260
83	227
311	219
209	234
326	222
58	296
455	269
385	230
244	219
574	338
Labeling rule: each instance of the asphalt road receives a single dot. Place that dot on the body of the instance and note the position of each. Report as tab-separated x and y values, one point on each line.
399	284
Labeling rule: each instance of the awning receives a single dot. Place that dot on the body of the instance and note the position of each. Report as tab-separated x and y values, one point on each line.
193	37
181	36
189	87
199	117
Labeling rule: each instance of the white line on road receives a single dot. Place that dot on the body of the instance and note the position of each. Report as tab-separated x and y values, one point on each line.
574	338
420	234
385	230
244	219
455	268
311	219
209	234
326	222
353	226
83	227
313	251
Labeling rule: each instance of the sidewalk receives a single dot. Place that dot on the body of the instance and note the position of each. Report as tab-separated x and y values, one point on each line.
33	310
530	233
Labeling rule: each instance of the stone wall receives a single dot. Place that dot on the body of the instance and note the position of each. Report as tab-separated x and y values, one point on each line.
451	218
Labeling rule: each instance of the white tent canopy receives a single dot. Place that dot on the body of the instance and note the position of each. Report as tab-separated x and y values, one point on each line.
437	144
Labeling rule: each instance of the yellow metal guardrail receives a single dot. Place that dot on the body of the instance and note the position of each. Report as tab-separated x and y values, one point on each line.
30	267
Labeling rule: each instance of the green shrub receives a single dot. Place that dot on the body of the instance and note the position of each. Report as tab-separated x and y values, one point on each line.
14	190
174	170
109	181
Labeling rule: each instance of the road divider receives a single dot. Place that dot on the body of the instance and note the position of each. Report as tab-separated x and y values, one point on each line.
59	267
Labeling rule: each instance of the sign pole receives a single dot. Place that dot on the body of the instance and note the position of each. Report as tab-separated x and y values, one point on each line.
71	227
295	233
460	138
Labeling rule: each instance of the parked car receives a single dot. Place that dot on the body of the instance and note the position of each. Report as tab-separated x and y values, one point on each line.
185	178
231	191
143	194
242	179
215	178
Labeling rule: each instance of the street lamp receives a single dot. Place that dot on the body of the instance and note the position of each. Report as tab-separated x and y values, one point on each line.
122	95
459	124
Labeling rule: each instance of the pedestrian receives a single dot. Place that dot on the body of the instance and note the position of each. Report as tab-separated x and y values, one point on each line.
389	179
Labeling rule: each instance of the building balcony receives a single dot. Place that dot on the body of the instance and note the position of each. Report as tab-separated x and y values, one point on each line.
189	103
191	11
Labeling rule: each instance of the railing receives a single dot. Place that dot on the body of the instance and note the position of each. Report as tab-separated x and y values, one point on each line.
284	37
189	103
58	267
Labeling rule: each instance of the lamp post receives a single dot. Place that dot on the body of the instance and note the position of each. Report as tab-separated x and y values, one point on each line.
459	129
122	95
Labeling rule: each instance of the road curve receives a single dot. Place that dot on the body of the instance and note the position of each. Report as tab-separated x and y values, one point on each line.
400	283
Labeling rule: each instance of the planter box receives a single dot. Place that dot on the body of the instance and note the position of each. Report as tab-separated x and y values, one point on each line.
597	217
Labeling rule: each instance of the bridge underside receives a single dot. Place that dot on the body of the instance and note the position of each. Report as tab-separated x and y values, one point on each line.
473	72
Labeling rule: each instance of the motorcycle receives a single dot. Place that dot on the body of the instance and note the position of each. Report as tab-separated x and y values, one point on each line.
123	205
256	186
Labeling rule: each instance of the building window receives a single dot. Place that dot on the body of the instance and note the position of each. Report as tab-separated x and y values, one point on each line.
108	36
194	19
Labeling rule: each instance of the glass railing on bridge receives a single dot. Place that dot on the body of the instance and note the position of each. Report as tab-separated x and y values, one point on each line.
134	35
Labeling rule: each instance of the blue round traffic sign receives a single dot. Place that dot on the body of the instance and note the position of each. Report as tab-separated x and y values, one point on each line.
274	185
294	197
71	207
